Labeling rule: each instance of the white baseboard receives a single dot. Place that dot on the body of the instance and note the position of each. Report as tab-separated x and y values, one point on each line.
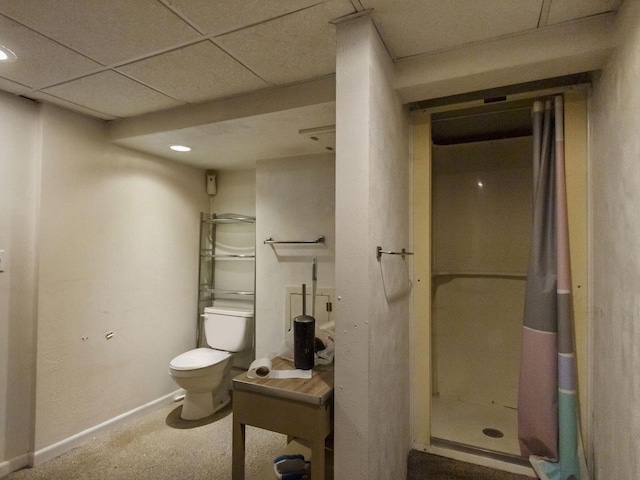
57	449
476	459
14	464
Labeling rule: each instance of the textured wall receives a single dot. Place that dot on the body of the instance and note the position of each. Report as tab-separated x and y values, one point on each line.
18	195
295	200
118	252
352	255
236	192
615	187
372	208
389	279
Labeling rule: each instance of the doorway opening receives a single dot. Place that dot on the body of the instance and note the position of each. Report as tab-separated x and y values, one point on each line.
481	184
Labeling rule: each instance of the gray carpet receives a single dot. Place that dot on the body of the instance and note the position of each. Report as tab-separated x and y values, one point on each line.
161	446
423	466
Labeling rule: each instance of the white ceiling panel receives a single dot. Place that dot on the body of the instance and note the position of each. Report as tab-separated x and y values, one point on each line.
195	73
70	106
566	10
239	143
107	31
12	87
112	59
291	48
113	94
412	27
221	16
40	61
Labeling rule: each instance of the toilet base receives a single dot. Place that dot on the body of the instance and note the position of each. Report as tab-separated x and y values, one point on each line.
197	405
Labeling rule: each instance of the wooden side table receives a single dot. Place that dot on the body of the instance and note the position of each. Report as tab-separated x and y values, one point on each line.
295	407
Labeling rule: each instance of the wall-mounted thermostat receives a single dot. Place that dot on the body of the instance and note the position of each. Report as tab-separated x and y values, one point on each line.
211	183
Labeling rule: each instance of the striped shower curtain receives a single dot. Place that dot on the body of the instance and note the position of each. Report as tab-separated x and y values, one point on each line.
548	427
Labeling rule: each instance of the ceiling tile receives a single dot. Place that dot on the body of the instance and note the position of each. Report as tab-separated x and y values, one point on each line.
13	87
565	10
113	94
291	48
216	17
70	106
40	61
436	25
106	31
238	143
195	73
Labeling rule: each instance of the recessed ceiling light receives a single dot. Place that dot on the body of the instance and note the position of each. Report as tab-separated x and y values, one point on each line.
6	55
180	148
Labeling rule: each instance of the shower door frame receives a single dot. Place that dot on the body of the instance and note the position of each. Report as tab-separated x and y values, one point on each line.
576	142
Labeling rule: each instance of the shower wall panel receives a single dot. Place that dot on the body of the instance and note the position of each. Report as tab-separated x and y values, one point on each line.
477	331
482	215
482	206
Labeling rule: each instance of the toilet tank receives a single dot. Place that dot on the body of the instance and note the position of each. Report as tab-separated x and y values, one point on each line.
228	329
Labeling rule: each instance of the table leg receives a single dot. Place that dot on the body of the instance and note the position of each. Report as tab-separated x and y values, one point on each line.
237	471
317	459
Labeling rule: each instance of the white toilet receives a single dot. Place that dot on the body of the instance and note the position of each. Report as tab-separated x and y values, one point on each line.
205	373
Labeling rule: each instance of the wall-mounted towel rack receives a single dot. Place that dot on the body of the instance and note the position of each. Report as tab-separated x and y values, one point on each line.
380	252
224	291
271	241
227	218
206	254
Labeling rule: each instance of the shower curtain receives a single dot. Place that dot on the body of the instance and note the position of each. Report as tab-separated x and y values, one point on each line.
548	427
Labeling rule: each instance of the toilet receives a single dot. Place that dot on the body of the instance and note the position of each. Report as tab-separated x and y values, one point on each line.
205	373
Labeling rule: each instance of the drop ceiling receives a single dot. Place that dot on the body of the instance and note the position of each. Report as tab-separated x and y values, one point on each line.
120	59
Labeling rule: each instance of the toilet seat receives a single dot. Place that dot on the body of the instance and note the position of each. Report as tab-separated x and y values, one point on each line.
198	358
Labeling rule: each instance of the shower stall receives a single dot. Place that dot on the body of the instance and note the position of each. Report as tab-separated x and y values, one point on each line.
481	225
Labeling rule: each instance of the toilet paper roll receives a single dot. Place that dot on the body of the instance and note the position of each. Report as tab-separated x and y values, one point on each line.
262	368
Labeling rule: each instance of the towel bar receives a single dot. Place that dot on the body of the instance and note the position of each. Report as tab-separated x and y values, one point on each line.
271	241
379	253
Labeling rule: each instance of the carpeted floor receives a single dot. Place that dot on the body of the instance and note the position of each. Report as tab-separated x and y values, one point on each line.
423	466
161	446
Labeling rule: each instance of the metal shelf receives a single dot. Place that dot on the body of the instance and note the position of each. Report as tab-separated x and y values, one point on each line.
224	292
226	255
480	274
210	252
227	218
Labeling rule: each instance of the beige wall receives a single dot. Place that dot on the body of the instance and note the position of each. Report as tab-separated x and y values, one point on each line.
19	166
118	242
615	210
98	239
482	231
236	192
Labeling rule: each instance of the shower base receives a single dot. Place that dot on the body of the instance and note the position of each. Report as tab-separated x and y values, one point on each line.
463	423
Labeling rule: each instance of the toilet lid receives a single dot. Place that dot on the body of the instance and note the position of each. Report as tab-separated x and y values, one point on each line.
198	358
